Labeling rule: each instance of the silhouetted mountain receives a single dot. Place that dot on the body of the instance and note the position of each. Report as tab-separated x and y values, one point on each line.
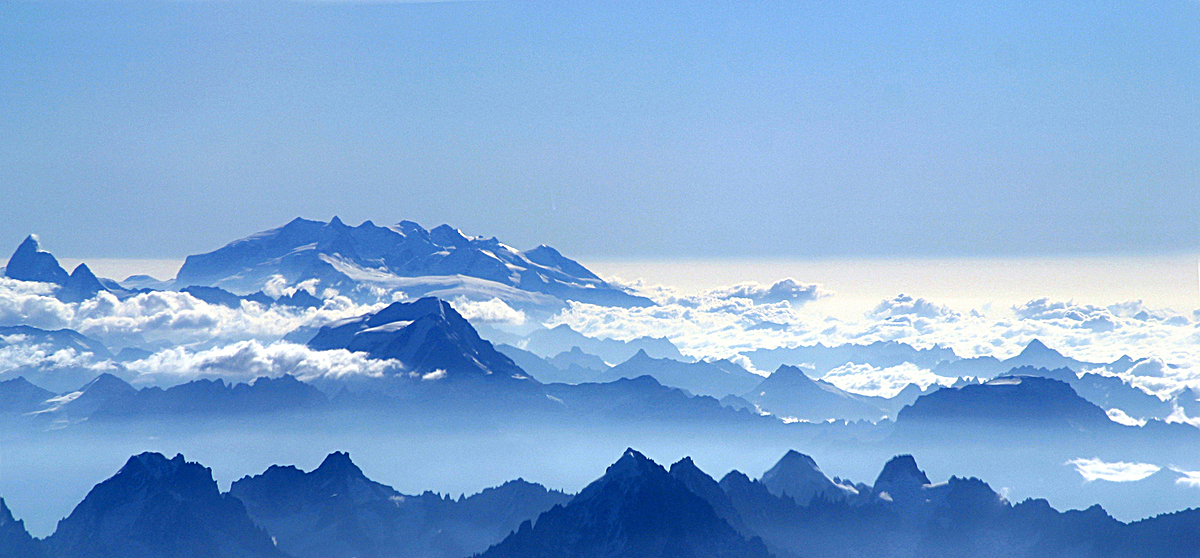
214	398
53	340
822	359
428	336
81	285
717	378
336	511
1108	392
31	263
644	399
343	256
1011	401
561	338
577	358
1189	401
798	477
907	515
155	507
18	396
533	365
900	481
55	374
789	392
704	486
15	541
636	509
80	404
1035	355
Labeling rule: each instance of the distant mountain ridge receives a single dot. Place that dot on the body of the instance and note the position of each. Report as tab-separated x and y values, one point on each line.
340	255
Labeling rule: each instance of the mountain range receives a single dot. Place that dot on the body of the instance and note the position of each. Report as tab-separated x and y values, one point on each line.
159	507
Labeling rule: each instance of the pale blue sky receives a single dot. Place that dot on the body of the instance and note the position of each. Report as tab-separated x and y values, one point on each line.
617	130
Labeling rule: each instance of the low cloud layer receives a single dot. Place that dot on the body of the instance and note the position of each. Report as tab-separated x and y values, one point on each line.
865	379
1094	469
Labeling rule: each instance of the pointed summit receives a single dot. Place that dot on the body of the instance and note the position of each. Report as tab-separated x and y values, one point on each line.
706	487
900	480
635	510
797	476
338	463
81	285
31	263
1037	348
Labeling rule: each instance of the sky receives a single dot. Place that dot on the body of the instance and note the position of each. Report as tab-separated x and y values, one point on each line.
848	129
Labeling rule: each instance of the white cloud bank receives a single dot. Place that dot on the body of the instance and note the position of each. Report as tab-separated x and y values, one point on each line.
1120	471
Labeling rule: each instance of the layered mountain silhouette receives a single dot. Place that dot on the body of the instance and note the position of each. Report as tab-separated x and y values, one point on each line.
158	507
798	477
821	358
636	509
336	511
1030	402
716	378
15	541
340	255
790	392
31	263
561	338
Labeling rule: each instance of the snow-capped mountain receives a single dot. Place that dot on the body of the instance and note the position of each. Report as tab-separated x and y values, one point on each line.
430	339
404	256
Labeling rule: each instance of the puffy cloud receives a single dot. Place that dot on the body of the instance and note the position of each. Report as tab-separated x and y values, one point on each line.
245	360
785	290
905	305
1120	471
865	379
1068	313
163	318
1120	417
488	311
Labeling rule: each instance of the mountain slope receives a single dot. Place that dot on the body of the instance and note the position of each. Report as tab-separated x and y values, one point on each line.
427	336
336	511
15	541
715	379
637	509
158	507
789	392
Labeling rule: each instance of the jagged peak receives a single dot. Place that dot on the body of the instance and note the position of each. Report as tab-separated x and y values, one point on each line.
6	516
154	464
338	463
1036	347
632	462
901	470
794	458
